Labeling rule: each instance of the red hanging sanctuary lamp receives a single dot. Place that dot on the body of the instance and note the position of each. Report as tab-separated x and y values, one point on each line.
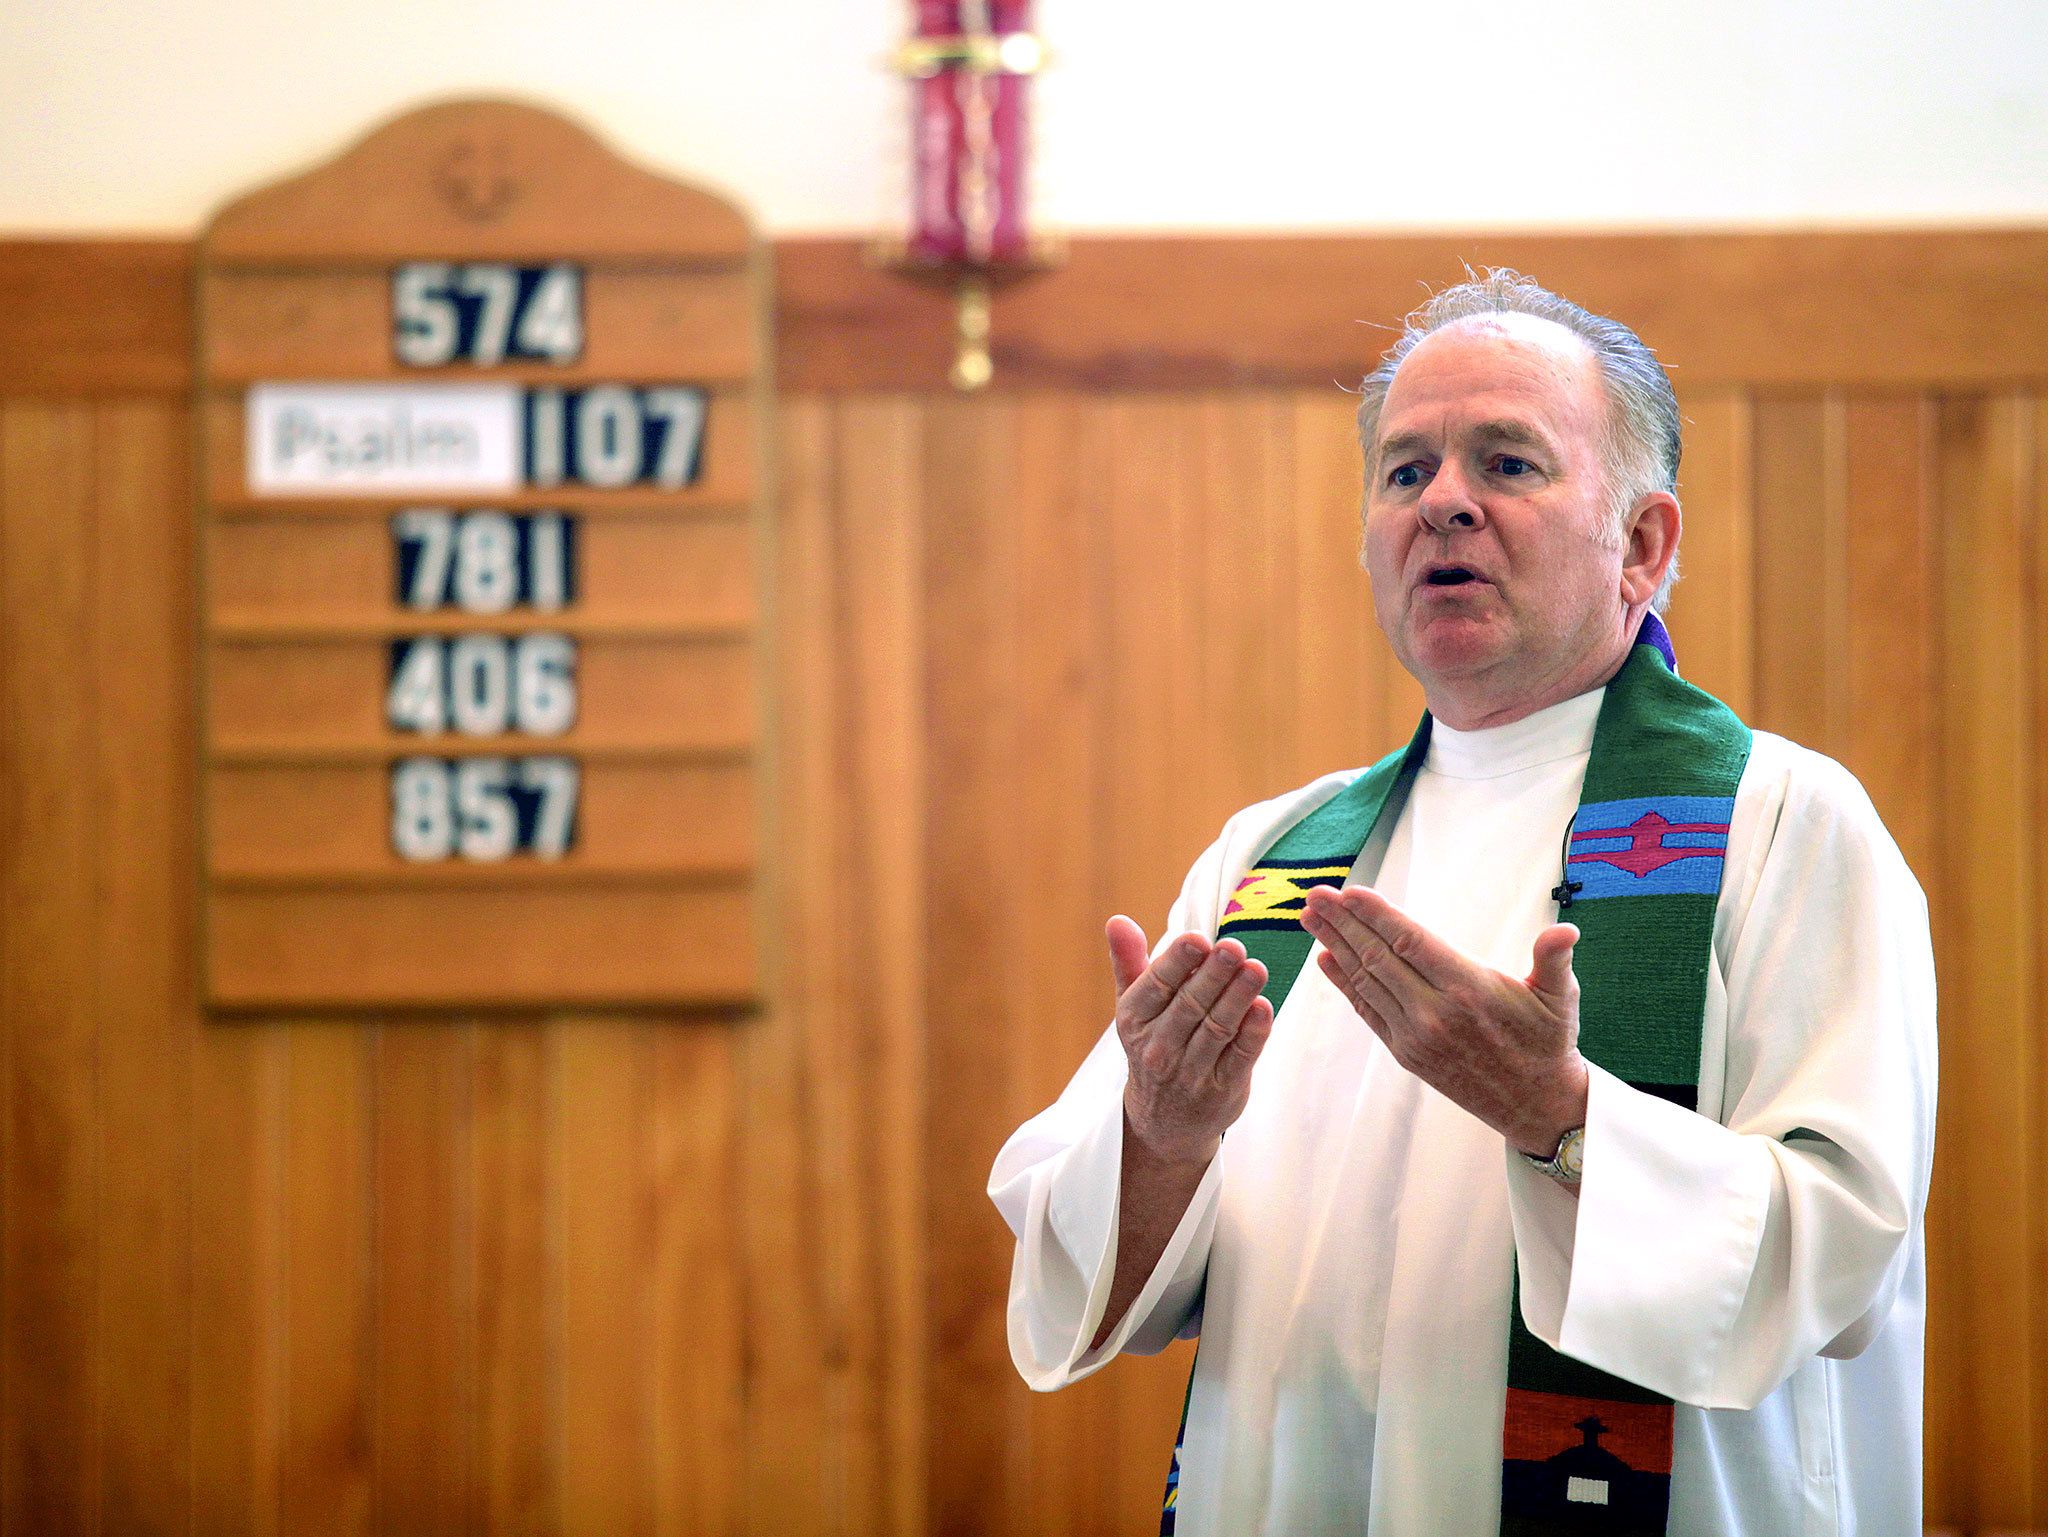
969	64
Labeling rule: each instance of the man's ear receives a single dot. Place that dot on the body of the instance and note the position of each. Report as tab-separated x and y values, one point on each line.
1650	545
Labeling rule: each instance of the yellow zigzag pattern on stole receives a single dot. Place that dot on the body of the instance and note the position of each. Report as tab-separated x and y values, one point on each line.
1276	893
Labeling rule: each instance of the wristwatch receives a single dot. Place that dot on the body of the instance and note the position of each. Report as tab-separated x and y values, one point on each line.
1568	1162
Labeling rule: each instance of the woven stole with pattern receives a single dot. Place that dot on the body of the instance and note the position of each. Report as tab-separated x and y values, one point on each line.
1582	1451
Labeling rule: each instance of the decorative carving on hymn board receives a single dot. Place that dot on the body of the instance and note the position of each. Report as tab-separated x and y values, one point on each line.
481	413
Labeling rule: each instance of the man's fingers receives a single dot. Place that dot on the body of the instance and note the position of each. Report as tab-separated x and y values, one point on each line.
1550	972
1128	951
1361	1005
1157	985
1198	994
1219	1026
1252	1033
1404	940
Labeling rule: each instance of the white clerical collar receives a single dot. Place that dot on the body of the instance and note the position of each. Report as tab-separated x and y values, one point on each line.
1564	730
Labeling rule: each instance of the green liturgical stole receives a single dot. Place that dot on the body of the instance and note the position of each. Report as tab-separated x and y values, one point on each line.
1582	1451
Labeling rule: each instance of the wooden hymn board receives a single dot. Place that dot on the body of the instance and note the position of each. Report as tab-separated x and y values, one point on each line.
480	412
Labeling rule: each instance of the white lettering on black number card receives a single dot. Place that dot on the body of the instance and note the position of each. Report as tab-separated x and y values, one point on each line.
483	808
482	685
484	562
614	435
486	313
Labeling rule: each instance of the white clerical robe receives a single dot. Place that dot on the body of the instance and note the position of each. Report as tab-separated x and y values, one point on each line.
1347	1258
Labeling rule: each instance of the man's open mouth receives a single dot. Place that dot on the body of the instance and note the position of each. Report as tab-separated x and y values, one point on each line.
1450	576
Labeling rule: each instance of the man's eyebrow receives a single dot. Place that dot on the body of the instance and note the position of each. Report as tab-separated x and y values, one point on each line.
1402	443
1508	430
1503	429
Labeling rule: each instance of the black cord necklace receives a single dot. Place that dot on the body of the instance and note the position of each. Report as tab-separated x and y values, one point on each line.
1566	888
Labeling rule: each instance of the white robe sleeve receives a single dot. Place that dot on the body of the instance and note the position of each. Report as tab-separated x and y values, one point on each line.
1707	1261
1057	1183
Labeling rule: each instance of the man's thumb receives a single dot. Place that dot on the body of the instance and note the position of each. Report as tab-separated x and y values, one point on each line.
1128	951
1551	971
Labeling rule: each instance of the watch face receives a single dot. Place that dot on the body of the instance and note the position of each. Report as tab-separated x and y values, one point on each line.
1572	1154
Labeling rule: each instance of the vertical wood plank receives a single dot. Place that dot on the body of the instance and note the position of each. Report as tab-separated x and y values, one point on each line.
1889	736
1795	561
1244	573
50	1176
329	1299
515	1434
422	1206
785	1489
979	1431
699	1344
1712	615
1992	1061
1339	653
602	1143
144	947
239	1080
870	1069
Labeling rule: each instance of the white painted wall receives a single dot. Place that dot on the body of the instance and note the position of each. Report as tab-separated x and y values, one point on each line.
142	115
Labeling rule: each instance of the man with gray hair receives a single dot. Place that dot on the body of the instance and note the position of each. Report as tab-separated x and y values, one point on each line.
1577	1185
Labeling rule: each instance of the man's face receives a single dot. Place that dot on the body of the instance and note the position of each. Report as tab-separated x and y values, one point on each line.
1493	569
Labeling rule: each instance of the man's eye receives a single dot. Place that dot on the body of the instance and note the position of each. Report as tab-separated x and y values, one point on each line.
1508	464
1406	476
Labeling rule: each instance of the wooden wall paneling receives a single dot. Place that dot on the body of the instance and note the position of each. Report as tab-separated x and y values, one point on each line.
422	1203
1712	615
237	1341
50	997
870	1065
978	1427
698	1341
515	1432
785	1489
329	1299
1892	603
1147	714
1339	655
1246	565
144	944
1797	551
1992	1058
603	1138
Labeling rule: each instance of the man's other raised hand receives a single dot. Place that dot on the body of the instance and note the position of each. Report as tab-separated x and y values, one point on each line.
1192	1023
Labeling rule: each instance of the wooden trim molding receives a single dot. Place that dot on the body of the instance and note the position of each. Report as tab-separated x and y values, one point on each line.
95	317
1786	309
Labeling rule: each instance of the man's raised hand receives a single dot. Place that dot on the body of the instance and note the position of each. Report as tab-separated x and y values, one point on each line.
1504	1049
1192	1024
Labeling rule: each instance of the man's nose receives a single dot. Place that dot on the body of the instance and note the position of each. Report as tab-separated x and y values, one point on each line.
1447	502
